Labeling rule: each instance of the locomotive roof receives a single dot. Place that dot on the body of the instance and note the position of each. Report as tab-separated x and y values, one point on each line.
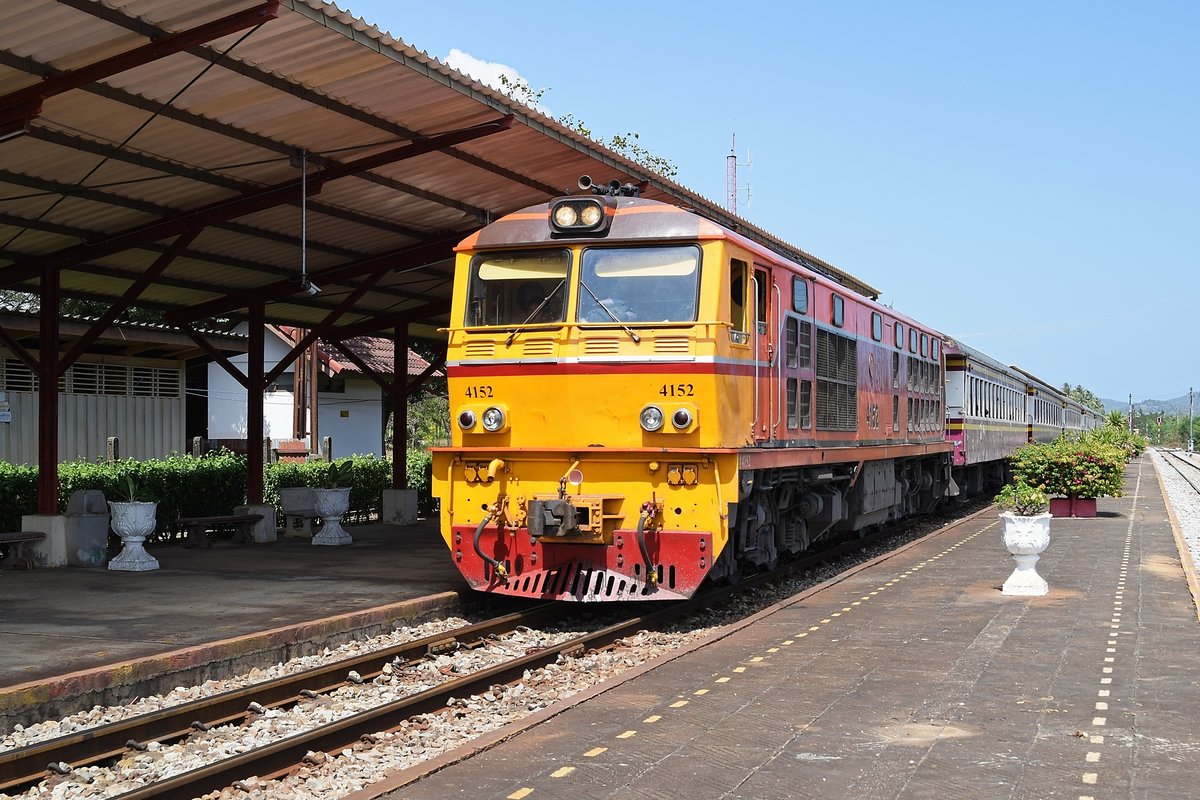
641	219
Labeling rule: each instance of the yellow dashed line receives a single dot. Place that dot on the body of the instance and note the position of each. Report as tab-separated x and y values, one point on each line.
722	680
825	621
1096	740
595	751
1102	706
1099	721
627	735
519	793
1103	693
562	772
815	628
1092	758
757	658
788	641
679	704
739	669
774	649
700	691
652	718
1089	777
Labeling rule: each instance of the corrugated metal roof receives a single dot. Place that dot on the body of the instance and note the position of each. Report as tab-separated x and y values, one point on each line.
219	121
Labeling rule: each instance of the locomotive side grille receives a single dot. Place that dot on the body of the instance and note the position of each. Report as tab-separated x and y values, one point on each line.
608	346
672	344
538	347
837	382
480	349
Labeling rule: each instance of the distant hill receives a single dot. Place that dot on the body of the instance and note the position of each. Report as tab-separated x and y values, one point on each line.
1178	405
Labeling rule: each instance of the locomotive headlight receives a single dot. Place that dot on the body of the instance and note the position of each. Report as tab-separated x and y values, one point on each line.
493	419
466	419
575	216
590	215
566	216
682	418
651	418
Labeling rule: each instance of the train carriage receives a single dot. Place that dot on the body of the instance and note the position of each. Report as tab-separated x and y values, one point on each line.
986	419
643	398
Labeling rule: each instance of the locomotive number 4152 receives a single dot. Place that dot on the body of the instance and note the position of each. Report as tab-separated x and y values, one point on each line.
479	392
677	390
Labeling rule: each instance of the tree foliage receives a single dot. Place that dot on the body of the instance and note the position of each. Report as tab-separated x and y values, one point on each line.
1085	397
626	144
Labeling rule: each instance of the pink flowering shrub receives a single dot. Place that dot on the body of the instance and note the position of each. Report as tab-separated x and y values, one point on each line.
1071	468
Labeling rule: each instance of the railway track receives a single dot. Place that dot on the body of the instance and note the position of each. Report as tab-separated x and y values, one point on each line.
1192	472
25	767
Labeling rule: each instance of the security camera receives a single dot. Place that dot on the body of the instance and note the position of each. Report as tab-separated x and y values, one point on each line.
310	287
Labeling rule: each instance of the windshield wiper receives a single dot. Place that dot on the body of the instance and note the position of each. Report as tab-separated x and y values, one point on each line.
611	315
513	335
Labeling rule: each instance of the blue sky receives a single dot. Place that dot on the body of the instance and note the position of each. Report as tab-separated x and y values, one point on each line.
1022	176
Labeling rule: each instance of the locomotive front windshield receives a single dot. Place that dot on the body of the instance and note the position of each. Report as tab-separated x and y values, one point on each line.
639	284
518	288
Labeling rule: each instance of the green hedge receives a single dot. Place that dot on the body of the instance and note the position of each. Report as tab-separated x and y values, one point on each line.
187	486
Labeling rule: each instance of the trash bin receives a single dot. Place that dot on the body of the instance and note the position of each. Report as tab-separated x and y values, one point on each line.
87	529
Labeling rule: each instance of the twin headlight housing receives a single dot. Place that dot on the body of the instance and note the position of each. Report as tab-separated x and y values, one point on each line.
652	418
579	216
493	419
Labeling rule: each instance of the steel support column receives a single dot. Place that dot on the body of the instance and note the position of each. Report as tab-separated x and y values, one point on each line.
48	393
255	385
400	406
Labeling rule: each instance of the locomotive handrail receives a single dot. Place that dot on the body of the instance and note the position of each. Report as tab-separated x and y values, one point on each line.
754	352
778	417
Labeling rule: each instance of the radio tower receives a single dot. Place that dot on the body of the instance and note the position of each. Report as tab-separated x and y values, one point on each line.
731	182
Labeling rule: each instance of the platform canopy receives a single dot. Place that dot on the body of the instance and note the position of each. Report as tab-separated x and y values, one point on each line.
207	154
276	162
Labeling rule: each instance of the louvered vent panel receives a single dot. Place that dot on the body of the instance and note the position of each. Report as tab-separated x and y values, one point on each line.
480	349
85	378
672	345
601	346
18	377
837	382
538	348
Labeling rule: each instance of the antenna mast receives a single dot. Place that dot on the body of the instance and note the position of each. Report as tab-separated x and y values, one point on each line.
731	181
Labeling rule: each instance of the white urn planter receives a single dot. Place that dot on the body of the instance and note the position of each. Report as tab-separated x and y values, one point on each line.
1026	538
133	522
331	505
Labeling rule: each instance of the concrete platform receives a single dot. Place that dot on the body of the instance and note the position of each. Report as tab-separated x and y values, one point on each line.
912	678
71	638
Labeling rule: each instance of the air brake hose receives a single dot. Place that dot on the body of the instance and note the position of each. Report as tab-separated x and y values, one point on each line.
651	570
496	565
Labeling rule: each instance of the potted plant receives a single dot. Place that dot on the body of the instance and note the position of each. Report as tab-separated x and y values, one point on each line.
333	500
133	519
1026	534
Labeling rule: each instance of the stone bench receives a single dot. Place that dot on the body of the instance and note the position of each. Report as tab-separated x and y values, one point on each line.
197	528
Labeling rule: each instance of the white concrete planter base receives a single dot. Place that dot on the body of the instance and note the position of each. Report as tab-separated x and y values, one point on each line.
331	505
1026	538
133	522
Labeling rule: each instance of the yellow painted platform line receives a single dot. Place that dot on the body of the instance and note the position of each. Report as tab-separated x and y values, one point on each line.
679	704
562	772
627	735
595	751
652	718
520	793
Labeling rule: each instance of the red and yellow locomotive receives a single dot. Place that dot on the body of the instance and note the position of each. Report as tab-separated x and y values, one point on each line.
642	399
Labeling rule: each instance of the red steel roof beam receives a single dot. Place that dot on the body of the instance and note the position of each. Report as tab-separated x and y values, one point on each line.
433	249
248	203
19	107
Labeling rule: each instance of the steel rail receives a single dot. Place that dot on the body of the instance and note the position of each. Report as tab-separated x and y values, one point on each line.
28	765
1173	457
278	758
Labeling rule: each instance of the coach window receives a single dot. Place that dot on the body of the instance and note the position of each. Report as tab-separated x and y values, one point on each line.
895	370
924	345
792	336
737	302
839	310
805	404
896	413
793	417
936	350
912	340
762	284
876	326
799	295
899	336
